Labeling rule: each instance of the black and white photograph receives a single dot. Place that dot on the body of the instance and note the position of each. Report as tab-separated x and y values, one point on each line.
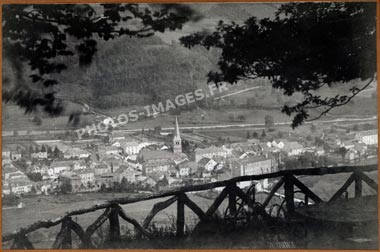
208	125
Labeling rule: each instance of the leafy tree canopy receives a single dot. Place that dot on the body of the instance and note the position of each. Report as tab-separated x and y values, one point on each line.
41	36
306	46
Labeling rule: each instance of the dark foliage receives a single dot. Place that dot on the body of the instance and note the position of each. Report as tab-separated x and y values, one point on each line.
66	186
307	160
39	35
306	47
34	176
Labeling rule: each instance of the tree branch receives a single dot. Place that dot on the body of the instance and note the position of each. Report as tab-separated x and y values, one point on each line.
355	93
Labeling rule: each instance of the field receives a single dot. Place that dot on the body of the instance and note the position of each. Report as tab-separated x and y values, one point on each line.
52	206
268	102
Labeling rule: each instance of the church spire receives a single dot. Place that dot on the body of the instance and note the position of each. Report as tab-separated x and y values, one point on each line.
177	141
177	129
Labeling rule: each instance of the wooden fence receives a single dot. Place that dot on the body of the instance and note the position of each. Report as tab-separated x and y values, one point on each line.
238	201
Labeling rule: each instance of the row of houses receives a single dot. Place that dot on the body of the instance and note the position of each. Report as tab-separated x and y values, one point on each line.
14	180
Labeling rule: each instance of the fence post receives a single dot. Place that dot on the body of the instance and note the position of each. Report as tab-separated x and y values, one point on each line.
232	199
180	215
306	200
358	186
113	218
67	241
289	194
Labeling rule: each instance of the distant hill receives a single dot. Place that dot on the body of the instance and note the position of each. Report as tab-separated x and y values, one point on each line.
130	71
236	12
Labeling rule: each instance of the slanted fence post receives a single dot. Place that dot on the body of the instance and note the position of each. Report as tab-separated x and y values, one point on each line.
63	239
253	195
114	235
180	215
289	194
21	242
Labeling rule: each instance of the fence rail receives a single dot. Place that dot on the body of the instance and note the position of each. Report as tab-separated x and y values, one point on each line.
237	199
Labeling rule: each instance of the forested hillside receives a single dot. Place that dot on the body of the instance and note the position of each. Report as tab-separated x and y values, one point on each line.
131	71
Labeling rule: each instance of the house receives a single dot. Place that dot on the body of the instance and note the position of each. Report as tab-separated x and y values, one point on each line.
360	148
44	187
135	164
79	164
293	148
157	166
223	174
6	189
20	185
274	144
34	169
253	166
60	166
368	137
212	152
319	151
207	163
126	172
113	163
109	150
11	172
87	176
76	153
40	152
184	169
242	147
203	173
116	135
72	179
146	180
351	155
174	182
42	169
220	161
6	161
348	144
147	155
131	147
310	149
16	155
105	178
6	154
263	148
101	168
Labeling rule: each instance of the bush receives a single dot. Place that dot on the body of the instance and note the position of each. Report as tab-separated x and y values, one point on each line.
241	118
269	121
35	177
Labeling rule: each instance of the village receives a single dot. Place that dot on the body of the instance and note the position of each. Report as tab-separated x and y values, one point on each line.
154	161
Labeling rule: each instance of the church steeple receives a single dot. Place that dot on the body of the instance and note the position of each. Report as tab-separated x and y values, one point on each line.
177	141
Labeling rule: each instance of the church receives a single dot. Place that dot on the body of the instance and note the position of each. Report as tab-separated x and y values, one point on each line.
153	160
